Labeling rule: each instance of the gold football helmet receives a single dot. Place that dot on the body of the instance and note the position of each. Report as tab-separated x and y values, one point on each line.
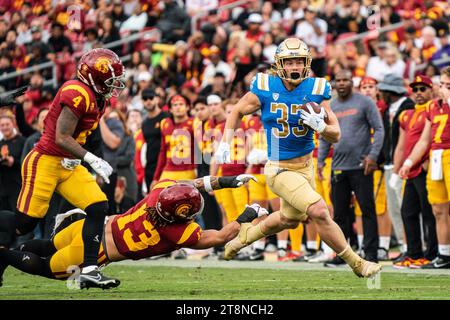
288	49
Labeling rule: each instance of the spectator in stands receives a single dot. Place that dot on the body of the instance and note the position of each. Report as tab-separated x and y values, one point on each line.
174	22
216	64
313	31
5	68
134	120
444	51
390	63
109	33
91	39
58	42
428	43
11	146
294	12
118	15
34	138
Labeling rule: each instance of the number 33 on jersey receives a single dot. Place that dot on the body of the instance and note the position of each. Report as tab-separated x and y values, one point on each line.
287	138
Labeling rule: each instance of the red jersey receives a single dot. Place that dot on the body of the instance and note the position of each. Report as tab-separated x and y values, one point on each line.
177	147
136	237
438	113
237	165
81	100
255	129
412	121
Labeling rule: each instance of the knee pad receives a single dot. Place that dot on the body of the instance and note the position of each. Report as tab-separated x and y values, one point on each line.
7	227
25	223
97	210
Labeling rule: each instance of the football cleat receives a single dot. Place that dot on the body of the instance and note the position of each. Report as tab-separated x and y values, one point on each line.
335	262
419	263
403	264
257	255
366	269
95	279
438	263
233	246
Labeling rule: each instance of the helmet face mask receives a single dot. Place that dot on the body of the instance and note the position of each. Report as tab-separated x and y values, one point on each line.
292	48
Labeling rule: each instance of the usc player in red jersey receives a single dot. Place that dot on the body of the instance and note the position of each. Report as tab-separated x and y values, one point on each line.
436	135
176	157
160	223
54	164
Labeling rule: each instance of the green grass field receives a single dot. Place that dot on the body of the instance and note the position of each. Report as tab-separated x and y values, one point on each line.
236	280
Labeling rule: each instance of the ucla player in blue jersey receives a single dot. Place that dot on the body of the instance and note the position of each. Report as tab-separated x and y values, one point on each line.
289	171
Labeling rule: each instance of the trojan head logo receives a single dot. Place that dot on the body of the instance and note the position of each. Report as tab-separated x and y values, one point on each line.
102	64
418	79
183	210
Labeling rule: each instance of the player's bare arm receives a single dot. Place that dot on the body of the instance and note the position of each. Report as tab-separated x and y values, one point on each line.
248	104
212	238
332	132
65	127
398	153
419	150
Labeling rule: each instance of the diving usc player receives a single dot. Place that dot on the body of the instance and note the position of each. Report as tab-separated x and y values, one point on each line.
160	223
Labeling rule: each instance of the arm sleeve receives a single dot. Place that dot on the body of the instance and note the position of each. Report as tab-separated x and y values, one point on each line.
324	149
374	119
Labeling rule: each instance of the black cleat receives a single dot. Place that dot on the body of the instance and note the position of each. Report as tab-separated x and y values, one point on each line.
257	255
95	279
335	262
438	263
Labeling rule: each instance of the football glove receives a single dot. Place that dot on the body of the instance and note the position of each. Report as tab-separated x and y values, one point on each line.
222	154
100	166
257	156
235	181
313	120
251	212
10	99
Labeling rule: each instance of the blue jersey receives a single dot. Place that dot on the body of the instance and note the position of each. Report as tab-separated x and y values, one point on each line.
287	138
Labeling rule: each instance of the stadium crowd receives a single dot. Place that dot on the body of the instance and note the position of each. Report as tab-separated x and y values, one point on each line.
184	78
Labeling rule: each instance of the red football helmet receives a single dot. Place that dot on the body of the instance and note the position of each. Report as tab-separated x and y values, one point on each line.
179	203
102	70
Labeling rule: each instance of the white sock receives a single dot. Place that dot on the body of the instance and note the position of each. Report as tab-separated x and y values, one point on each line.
404	248
360	240
384	242
282	244
259	245
302	248
89	269
311	245
326	249
444	249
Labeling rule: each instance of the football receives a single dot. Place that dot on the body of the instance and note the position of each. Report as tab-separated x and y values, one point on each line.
316	107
